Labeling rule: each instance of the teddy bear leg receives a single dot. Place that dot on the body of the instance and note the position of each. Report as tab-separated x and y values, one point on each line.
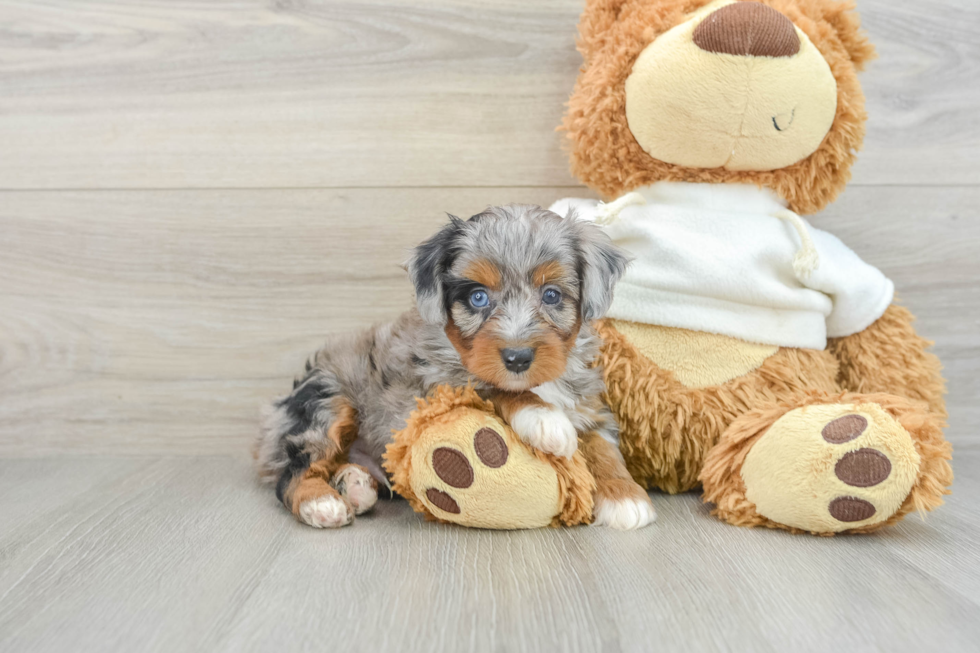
620	502
457	461
829	464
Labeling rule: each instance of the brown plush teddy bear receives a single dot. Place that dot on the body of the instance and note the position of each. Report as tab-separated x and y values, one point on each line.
747	350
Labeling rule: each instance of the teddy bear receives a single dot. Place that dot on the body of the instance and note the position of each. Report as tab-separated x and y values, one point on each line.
747	351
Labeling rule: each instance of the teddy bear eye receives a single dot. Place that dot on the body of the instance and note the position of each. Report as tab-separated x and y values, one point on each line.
551	296
479	299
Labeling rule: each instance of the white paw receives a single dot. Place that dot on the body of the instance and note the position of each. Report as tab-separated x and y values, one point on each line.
546	429
624	514
357	486
325	512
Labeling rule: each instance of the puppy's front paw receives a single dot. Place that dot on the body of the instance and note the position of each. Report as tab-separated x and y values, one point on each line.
622	504
327	511
624	514
546	429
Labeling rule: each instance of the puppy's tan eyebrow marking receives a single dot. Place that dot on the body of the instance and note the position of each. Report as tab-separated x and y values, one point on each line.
549	272
484	273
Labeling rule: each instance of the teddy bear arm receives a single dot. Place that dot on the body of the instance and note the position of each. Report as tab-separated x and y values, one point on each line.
889	356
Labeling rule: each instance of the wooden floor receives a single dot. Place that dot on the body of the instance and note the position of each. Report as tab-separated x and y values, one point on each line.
179	554
193	194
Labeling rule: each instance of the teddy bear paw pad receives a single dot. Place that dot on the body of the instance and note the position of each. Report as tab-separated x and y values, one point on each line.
830	468
472	470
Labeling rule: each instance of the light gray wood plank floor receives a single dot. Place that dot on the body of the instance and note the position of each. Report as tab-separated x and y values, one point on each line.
190	554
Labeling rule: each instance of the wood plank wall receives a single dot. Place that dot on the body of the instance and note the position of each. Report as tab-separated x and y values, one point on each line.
192	194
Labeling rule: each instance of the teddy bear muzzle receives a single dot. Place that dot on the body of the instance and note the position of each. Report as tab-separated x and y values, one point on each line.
722	89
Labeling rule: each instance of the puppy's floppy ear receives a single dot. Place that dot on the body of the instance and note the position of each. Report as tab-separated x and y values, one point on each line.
428	264
601	264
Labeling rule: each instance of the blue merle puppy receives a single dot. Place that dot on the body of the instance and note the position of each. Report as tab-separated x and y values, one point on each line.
504	301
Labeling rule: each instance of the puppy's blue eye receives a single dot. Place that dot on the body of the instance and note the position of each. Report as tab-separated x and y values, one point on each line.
479	299
551	296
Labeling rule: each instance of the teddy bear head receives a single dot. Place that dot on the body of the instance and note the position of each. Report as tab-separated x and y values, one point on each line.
724	91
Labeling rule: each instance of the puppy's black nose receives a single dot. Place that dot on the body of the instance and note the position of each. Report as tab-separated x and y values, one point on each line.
517	360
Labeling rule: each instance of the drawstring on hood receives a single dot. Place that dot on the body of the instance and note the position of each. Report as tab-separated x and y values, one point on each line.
806	260
609	213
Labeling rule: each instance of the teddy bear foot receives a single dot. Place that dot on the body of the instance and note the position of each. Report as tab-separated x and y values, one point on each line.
851	465
830	468
456	461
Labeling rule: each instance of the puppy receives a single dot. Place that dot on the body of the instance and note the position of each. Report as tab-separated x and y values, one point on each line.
504	301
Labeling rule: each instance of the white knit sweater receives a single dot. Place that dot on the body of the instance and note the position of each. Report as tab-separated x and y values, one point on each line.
730	259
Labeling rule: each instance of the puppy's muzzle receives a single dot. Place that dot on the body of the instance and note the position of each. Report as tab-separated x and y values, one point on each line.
517	360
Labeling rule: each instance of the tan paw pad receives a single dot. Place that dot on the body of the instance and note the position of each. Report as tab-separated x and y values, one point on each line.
472	470
830	468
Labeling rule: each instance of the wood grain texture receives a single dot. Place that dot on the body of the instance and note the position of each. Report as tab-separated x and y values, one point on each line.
316	93
157	322
189	554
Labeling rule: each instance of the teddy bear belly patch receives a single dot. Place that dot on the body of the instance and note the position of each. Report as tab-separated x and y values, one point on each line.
696	358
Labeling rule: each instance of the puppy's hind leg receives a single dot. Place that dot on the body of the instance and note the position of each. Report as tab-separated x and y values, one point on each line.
304	443
357	486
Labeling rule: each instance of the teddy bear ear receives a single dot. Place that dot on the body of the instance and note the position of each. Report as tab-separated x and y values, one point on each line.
843	17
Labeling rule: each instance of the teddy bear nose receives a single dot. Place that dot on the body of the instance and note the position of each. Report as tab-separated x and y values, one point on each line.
747	29
517	360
